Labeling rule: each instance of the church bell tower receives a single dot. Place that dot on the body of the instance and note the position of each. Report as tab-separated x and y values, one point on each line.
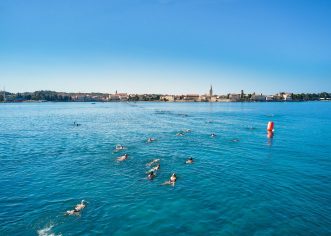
211	91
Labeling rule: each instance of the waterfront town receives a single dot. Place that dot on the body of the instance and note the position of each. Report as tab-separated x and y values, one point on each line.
45	95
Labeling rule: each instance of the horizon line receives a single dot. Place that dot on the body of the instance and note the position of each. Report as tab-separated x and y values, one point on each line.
171	94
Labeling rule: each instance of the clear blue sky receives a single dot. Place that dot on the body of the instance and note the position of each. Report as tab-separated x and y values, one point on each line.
166	46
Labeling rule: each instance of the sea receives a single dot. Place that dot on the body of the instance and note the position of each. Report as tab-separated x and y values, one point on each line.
241	182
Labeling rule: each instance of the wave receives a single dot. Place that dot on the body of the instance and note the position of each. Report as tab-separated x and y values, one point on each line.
47	231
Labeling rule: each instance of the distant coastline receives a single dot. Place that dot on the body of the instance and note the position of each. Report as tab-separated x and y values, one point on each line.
52	96
158	101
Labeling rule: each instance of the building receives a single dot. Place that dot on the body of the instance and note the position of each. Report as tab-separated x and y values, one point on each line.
118	97
213	99
192	98
283	96
234	97
210	97
287	97
123	96
113	97
204	98
242	94
258	98
167	98
223	98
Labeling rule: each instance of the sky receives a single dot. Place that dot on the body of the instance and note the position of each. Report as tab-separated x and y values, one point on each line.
166	46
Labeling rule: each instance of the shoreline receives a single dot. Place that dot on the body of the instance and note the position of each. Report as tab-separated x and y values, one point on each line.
93	102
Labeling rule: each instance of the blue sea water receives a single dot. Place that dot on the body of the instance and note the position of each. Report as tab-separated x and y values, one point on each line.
256	186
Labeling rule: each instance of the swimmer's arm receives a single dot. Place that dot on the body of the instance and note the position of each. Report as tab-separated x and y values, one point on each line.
70	212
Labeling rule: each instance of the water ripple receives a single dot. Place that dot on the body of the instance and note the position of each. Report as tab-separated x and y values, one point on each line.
252	185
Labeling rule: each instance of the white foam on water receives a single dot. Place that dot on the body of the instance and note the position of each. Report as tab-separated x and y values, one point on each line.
47	231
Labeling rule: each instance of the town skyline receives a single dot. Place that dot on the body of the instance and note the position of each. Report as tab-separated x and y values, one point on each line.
210	96
116	91
205	91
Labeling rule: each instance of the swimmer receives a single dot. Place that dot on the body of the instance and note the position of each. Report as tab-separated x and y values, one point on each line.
172	180
213	135
76	124
80	206
71	212
77	209
149	140
122	158
187	131
152	162
189	161
151	175
154	169
119	147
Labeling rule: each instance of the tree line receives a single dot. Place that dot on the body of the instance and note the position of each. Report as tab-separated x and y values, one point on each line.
311	96
36	96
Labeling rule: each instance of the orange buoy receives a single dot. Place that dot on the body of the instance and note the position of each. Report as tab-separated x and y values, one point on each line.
270	126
